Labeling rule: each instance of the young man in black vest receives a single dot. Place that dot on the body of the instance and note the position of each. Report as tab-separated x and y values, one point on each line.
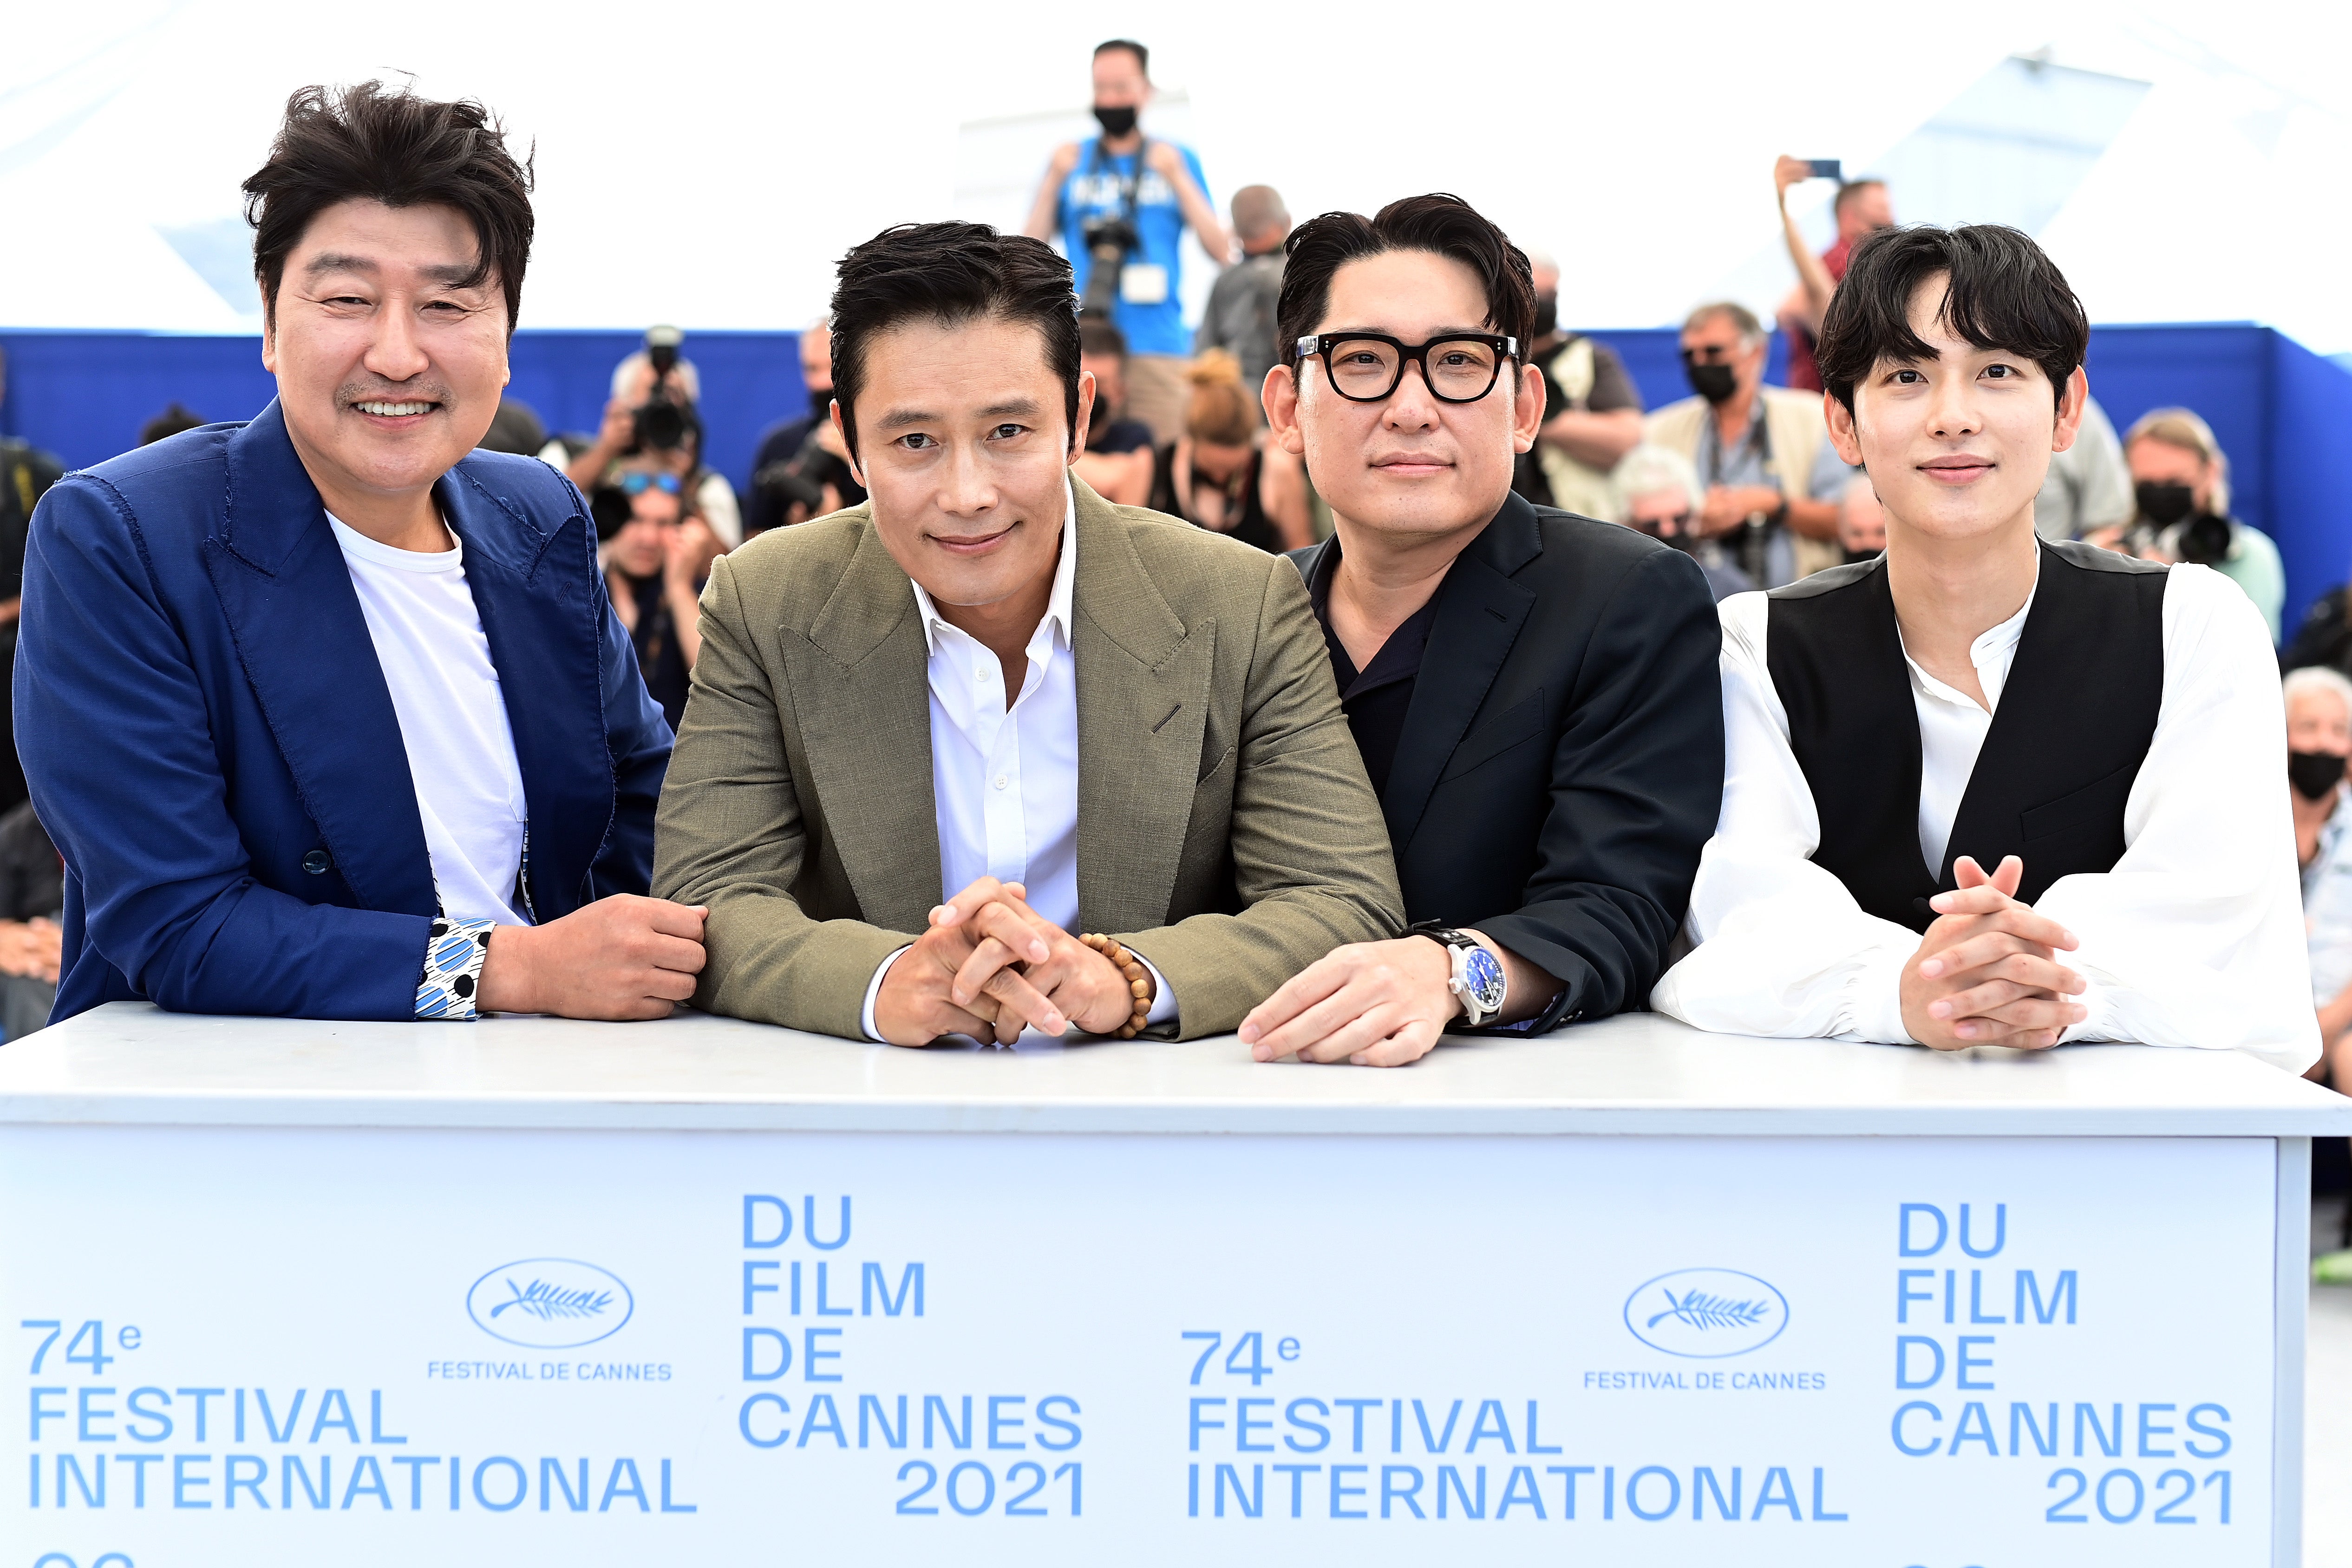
2103	732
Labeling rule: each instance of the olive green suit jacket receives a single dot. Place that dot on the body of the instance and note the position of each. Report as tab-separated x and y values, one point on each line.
1226	831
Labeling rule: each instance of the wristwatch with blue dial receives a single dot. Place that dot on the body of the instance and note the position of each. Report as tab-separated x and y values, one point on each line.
1478	978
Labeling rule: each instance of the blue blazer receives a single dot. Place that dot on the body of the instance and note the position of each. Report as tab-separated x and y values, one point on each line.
210	740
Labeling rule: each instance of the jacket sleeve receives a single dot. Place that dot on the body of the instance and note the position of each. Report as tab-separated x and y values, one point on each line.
125	772
1637	780
734	836
1312	864
639	740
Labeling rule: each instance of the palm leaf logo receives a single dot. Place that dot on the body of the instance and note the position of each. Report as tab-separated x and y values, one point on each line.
547	1302
1702	1311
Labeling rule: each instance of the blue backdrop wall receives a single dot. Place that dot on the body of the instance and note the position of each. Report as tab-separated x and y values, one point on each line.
2277	408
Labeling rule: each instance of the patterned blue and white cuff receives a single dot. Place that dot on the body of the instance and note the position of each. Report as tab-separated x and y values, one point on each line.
453	969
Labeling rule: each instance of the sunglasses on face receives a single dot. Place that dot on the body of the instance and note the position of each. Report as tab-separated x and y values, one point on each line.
638	484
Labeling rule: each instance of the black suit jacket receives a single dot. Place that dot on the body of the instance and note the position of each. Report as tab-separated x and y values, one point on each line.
1561	764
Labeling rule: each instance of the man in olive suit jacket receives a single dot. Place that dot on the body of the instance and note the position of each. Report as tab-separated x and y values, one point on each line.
935	737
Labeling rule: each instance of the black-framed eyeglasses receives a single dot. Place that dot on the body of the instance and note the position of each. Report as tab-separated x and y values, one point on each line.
1366	367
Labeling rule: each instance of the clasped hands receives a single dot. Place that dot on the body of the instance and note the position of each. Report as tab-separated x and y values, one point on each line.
991	966
1986	972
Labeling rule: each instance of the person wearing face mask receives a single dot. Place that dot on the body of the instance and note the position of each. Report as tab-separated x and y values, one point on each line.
799	470
1592	411
2181	484
1120	202
2318	737
1755	448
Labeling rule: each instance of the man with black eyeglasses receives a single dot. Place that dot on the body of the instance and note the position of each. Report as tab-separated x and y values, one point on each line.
1535	693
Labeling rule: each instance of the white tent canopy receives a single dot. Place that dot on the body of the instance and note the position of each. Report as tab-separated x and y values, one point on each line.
705	163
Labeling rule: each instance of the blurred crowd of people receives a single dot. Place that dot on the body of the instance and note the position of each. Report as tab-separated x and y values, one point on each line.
1739	472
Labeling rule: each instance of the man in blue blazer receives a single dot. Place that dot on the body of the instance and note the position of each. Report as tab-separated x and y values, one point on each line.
328	717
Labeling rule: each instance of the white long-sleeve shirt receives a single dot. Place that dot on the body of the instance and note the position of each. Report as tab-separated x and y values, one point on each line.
2195	938
1004	781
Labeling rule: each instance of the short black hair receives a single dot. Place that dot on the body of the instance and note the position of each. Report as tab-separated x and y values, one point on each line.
1142	56
2000	291
951	273
372	143
1440	224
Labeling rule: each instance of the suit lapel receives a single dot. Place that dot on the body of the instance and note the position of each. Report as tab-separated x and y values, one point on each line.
533	591
1479	613
1143	680
860	690
304	644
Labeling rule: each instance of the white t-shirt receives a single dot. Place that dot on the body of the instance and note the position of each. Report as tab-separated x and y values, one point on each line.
453	721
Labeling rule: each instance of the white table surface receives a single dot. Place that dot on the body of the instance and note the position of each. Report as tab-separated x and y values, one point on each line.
131	1063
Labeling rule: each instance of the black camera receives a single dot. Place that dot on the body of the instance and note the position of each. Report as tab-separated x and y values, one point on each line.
804	475
661	423
1109	242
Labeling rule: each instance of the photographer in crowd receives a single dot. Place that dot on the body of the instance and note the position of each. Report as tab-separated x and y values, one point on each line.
655	566
32	937
2180	487
800	469
652	415
1592	411
2090	485
1861	208
1119	461
1861	521
26	472
1755	449
1654	490
1240	314
1223	475
1120	202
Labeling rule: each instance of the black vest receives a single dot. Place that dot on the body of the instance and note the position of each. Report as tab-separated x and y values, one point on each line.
2073	723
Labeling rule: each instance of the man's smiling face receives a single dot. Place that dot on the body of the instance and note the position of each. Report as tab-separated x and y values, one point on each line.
962	443
1408	464
1957	446
389	367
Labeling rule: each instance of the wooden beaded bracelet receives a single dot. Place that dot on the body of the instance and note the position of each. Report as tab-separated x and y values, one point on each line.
1139	982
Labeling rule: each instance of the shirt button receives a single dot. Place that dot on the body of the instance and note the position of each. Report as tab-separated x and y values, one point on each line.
317	862
1002	781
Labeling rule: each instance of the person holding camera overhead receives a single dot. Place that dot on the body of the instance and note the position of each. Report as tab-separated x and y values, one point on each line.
652	415
1120	203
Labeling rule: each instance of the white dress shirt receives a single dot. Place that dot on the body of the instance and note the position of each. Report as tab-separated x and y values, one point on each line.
2195	938
453	720
1004	781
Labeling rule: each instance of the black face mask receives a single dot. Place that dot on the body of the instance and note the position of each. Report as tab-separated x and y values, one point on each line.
1547	315
821	402
1715	382
2164	505
2313	774
1115	122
